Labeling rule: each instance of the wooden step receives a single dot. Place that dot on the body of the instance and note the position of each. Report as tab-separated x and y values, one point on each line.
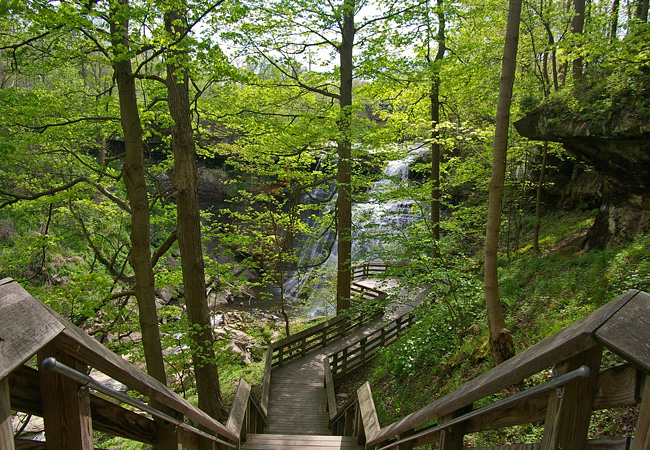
294	442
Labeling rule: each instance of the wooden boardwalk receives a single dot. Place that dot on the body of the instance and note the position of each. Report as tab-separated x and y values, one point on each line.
297	410
297	402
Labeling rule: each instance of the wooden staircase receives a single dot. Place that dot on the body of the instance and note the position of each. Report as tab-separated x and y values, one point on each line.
307	442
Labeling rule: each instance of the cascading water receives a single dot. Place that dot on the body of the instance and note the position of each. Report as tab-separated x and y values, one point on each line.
374	220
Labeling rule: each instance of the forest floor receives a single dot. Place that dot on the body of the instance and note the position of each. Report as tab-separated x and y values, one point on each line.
541	294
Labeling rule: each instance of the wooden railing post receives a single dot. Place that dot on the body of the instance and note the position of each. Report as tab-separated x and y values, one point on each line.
362	343
344	361
266	382
568	415
280	356
303	346
66	409
642	438
368	414
168	436
324	337
406	445
452	438
6	430
335	364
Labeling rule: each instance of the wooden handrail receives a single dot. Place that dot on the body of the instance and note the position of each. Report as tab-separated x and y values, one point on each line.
303	342
567	420
266	381
30	328
580	343
364	349
318	336
246	414
329	390
340	413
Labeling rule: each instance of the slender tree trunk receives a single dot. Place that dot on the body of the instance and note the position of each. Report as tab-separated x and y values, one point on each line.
551	44
642	11
538	201
501	343
434	97
189	225
344	166
614	27
577	26
136	188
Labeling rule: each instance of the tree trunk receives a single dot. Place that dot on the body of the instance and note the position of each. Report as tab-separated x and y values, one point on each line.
344	166
501	343
434	97
538	201
189	225
136	188
577	26
614	27
642	11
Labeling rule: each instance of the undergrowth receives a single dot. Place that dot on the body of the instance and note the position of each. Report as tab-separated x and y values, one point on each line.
541	295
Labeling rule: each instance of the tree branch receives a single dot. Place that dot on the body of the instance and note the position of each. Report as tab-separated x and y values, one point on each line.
160	251
15	197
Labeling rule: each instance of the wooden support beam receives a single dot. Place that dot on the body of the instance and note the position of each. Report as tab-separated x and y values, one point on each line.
66	407
452	438
6	430
642	438
568	415
169	436
406	445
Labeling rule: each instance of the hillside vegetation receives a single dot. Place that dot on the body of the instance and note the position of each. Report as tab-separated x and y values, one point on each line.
541	293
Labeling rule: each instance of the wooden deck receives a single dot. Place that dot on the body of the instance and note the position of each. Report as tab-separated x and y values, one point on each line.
297	401
297	414
294	442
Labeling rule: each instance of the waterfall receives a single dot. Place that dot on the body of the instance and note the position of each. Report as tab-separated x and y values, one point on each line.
373	220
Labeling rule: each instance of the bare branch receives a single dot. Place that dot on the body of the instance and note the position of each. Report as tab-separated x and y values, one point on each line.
15	197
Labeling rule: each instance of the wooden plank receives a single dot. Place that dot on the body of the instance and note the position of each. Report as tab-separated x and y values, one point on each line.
623	443
567	343
642	438
452	438
568	416
238	409
6	430
368	412
25	326
266	382
307	332
627	332
86	349
66	409
329	388
617	386
107	416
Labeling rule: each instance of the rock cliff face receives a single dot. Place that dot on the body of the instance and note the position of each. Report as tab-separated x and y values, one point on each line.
618	149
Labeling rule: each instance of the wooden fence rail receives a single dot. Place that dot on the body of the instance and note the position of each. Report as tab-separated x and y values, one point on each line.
320	335
369	268
29	329
622	326
363	350
246	414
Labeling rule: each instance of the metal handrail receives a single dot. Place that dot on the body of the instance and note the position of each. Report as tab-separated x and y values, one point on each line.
555	383
51	364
